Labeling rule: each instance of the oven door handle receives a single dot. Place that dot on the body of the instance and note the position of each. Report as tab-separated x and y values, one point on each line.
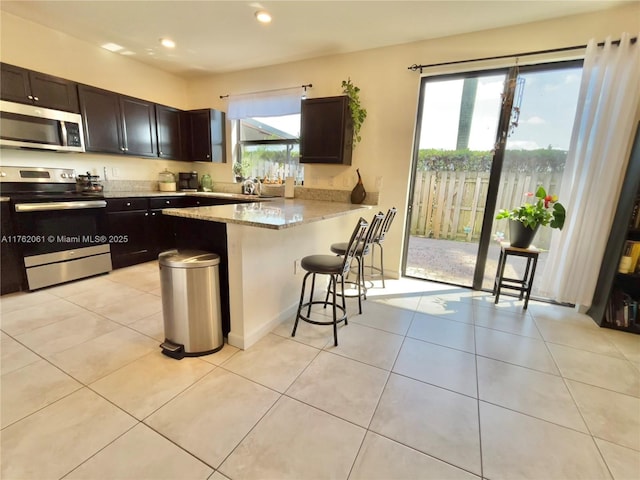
48	206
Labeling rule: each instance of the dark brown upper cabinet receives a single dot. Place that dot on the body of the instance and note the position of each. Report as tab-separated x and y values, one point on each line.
116	123
35	88
172	133
139	126
326	131
207	136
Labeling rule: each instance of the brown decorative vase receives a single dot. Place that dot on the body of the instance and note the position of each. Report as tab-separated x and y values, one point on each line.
521	236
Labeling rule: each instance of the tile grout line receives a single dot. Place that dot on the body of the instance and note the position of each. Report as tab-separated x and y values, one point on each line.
475	357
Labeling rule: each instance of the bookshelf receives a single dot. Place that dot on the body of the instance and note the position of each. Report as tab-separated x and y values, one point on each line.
616	301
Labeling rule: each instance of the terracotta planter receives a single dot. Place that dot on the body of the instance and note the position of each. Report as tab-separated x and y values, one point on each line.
521	236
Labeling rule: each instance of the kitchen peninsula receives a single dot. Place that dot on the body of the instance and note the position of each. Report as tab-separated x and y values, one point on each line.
260	244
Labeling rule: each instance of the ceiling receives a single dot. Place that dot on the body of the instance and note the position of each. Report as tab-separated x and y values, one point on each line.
224	36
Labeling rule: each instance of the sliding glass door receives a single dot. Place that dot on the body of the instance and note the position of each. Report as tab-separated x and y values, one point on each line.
535	154
484	139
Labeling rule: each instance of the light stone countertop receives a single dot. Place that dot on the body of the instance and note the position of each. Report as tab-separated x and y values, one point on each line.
277	213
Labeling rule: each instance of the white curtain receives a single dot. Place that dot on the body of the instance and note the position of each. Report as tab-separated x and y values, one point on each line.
596	163
272	103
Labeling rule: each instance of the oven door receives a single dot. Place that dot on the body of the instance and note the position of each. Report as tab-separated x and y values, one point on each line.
62	241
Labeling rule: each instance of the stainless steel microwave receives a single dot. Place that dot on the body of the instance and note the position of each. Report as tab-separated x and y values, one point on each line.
29	126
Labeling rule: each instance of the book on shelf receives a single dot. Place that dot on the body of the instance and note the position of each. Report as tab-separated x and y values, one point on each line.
635	215
632	253
622	310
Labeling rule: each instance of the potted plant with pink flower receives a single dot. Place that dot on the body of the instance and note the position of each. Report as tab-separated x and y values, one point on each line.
525	220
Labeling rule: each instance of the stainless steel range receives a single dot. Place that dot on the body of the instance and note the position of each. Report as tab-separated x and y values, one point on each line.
62	233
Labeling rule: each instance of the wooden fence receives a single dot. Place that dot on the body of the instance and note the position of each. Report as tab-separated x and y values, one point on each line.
450	204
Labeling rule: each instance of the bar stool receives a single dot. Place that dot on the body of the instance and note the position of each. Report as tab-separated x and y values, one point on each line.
336	267
377	241
522	285
362	250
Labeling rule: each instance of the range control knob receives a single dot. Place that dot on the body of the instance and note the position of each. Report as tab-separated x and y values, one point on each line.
63	175
3	174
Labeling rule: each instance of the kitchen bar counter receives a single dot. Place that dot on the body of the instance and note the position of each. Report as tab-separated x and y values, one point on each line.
275	213
260	270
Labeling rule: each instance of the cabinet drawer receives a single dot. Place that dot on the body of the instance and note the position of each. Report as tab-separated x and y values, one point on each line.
168	202
124	204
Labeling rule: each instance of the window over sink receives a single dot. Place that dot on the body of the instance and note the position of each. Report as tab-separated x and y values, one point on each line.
268	147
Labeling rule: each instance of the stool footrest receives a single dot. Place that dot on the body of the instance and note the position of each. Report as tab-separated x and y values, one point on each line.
325	304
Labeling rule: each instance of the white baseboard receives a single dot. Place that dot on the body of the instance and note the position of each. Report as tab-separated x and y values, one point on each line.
244	342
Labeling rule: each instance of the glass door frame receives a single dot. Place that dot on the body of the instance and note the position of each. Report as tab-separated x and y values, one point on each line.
502	133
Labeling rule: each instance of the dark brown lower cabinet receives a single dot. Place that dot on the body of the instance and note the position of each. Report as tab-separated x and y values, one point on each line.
129	226
13	279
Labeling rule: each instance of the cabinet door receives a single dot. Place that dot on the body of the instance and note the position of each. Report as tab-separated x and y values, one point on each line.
137	247
35	88
12	278
101	116
200	132
326	131
138	127
54	92
170	133
161	232
15	84
207	136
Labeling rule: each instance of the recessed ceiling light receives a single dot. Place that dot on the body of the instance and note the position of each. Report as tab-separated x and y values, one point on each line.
127	52
167	42
263	16
112	47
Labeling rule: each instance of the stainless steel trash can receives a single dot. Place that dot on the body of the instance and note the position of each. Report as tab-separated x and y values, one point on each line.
190	285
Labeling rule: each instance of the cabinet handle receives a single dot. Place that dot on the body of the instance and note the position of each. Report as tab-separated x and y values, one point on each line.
36	99
122	148
30	97
208	156
167	202
146	214
128	204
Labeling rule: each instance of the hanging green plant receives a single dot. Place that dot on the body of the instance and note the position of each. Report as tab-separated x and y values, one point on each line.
358	114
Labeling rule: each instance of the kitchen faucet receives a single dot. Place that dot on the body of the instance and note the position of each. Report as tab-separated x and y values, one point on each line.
252	186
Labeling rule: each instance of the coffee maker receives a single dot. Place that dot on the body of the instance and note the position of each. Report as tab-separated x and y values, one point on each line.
188	181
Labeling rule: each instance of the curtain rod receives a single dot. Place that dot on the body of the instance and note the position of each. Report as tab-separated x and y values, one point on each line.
416	67
308	85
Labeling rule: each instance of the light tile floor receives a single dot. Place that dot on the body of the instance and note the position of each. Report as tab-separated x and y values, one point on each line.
431	381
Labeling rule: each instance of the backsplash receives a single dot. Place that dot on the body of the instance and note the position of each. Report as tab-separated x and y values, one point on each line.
303	193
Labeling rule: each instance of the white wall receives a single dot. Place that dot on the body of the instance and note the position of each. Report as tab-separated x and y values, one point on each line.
389	91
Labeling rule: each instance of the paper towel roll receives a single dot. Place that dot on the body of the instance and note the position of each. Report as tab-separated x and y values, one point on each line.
289	183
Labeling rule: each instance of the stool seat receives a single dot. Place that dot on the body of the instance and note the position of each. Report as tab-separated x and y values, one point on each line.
326	264
522	285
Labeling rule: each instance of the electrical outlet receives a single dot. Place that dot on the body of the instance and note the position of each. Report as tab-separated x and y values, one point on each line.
296	265
115	172
378	183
